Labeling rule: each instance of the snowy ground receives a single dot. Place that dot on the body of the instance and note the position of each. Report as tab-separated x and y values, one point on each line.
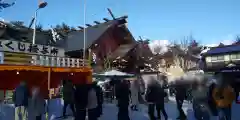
110	111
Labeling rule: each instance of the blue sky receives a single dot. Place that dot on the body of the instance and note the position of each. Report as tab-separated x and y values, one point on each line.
209	21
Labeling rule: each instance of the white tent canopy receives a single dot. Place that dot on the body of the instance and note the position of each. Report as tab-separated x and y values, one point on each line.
113	73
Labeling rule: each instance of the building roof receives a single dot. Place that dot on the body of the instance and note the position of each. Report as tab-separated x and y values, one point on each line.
75	39
224	49
122	50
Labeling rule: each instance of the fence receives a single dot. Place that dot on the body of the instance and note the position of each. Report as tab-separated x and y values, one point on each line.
41	60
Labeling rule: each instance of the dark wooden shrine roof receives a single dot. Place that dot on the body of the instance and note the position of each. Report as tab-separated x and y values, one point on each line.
75	39
122	50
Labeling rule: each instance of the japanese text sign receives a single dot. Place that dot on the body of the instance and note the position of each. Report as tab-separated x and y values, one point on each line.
23	47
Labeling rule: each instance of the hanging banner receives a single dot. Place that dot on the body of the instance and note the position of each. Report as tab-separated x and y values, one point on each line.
23	47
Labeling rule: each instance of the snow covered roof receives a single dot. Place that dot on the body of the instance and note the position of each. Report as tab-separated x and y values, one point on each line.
225	49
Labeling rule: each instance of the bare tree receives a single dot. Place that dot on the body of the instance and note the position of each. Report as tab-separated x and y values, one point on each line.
39	27
185	52
18	23
237	40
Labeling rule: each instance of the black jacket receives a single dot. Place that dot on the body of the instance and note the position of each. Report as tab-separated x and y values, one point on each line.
155	94
181	92
99	93
123	94
81	96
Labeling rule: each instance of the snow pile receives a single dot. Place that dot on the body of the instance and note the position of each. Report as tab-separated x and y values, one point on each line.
159	46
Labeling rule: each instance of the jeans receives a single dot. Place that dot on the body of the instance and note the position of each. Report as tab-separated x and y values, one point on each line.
226	113
65	107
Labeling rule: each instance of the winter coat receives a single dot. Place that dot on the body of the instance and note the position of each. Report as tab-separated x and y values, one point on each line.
134	92
81	96
181	92
99	93
155	94
37	104
68	93
20	96
211	102
200	94
92	99
122	94
226	99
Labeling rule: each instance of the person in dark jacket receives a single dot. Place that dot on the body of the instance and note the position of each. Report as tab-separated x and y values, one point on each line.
211	101
160	103
20	99
200	101
99	93
155	99
180	95
123	96
68	96
81	101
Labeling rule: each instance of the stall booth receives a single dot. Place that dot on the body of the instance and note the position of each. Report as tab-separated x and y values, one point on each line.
41	66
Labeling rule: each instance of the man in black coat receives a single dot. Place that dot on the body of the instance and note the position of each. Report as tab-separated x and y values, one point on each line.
100	100
123	96
81	101
180	96
155	97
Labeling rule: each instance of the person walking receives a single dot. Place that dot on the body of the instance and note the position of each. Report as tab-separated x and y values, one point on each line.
123	97
20	99
81	101
211	101
100	100
68	97
200	101
38	103
160	107
92	105
180	95
224	97
134	95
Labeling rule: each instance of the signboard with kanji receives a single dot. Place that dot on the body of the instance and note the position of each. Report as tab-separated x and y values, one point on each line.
23	47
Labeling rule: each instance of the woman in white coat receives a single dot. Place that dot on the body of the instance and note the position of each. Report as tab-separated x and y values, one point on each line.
134	94
38	104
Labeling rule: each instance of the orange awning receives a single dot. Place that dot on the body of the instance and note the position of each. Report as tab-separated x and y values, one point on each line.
5	67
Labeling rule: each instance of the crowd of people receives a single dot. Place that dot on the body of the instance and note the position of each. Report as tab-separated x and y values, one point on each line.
208	99
84	100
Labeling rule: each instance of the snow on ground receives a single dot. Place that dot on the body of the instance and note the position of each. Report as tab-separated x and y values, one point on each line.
110	111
